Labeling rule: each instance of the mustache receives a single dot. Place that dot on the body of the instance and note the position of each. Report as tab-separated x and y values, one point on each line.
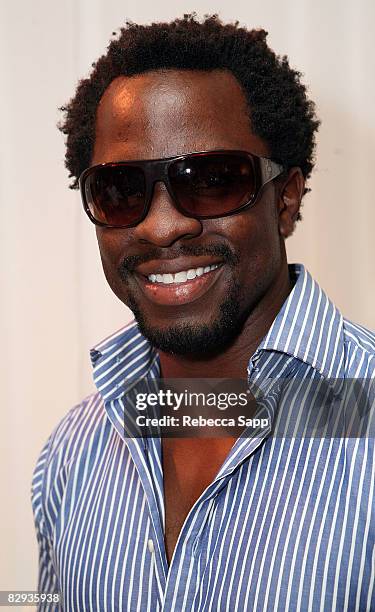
130	262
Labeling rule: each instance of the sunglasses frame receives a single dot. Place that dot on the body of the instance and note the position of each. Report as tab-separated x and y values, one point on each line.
157	170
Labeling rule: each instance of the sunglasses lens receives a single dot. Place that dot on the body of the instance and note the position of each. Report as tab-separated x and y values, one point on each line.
202	185
213	184
115	195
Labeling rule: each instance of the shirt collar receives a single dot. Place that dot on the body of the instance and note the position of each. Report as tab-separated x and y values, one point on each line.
308	327
121	360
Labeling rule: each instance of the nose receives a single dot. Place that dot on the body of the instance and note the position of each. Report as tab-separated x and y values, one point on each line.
164	224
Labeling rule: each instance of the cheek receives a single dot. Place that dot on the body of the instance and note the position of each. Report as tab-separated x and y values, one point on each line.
253	232
255	237
111	248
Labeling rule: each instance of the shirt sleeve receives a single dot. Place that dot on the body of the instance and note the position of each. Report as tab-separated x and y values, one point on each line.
47	578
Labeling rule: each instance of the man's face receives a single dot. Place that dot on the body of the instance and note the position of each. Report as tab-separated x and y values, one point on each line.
162	114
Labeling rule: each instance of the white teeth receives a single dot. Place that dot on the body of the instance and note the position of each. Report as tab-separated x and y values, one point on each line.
191	274
181	277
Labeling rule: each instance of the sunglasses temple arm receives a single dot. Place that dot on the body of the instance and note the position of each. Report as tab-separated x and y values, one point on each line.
270	170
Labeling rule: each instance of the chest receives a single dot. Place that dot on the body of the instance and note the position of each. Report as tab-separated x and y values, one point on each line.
189	467
293	526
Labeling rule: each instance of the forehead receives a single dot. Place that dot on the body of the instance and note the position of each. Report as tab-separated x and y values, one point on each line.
169	112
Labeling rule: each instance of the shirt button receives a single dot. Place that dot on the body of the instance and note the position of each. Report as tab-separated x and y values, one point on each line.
151	546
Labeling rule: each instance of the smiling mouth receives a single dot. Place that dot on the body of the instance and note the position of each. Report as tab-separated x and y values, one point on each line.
182	276
178	288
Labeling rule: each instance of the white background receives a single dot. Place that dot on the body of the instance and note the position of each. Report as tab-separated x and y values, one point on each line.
55	303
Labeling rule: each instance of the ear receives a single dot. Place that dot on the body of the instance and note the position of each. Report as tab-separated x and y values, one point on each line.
290	196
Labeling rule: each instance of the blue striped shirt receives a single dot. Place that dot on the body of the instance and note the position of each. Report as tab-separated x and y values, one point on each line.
288	522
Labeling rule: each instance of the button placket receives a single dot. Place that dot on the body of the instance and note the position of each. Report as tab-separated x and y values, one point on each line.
154	570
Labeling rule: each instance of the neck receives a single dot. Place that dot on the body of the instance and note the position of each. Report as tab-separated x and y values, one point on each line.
233	361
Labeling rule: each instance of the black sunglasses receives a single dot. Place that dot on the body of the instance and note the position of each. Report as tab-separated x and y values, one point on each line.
204	185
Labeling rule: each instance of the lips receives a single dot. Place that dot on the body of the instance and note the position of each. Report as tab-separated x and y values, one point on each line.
181	277
172	293
178	264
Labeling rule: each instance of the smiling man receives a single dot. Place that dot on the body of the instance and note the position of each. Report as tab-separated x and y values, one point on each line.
192	143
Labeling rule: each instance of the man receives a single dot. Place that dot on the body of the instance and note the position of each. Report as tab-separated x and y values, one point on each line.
193	143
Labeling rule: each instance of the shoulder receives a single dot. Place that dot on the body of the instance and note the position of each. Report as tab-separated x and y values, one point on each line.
359	336
359	345
67	442
85	432
77	425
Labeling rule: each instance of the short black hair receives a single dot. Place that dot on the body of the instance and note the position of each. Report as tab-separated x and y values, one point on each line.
280	111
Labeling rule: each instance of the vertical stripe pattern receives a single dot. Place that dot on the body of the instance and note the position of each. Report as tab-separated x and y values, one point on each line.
287	524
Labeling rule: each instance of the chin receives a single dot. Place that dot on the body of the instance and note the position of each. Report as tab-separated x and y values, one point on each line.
195	337
189	339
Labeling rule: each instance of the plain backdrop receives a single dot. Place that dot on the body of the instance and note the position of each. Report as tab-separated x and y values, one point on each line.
55	303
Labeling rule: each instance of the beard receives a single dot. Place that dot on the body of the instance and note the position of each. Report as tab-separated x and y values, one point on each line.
198	339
